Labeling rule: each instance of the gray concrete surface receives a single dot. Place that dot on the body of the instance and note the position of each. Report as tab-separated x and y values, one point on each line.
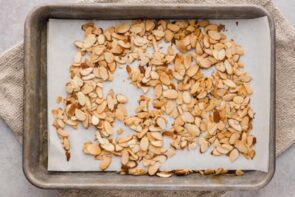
12	181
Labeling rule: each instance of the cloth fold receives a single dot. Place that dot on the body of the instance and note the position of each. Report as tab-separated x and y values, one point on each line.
11	89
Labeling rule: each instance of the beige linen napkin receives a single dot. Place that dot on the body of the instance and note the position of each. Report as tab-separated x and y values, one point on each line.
11	89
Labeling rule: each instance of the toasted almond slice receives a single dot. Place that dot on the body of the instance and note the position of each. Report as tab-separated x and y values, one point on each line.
168	35
94	120
170	94
173	27
221	54
66	143
103	73
186	97
160	158
158	91
101	39
239	173
222	150
204	144
187	117
144	144
149	25
136	171
161	122
62	133
229	83
81	98
109	57
164	174
98	50
182	172
122	140
80	115
157	143
192	70
89	41
204	62
157	135
165	78
235	136
93	149
123	28
79	44
214	35
122	99
137	28
235	124
238	99
108	147
152	170
234	154
241	146
86	71
105	163
158	33
124	157
108	127
192	129
228	67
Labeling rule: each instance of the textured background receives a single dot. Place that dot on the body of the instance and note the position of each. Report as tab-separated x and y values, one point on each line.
12	180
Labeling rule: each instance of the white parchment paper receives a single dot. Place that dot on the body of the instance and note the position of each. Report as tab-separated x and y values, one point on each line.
252	34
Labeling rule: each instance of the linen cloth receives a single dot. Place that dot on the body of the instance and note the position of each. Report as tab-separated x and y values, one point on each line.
12	78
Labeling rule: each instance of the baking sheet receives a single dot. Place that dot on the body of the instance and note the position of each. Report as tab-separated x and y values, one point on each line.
252	34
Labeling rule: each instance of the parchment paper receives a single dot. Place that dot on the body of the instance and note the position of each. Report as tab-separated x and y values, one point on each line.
252	34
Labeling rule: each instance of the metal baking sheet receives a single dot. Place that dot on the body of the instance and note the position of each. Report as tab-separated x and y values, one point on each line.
60	53
35	120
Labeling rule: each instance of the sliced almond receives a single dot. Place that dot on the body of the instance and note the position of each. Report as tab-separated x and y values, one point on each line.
80	115
186	97
229	83
108	147
89	41
192	70
161	122
81	98
93	149
108	128
170	94
193	129
124	157
105	163
173	27
122	99
241	146
123	28
238	99
234	154
158	91
103	73
239	173
214	35
144	144
94	120
164	174
235	124
62	133
153	168
204	62
187	117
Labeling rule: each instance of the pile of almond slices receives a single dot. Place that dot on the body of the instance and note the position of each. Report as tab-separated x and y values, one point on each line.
209	112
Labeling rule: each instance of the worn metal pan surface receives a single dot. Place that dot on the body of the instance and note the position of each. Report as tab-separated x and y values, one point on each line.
35	99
